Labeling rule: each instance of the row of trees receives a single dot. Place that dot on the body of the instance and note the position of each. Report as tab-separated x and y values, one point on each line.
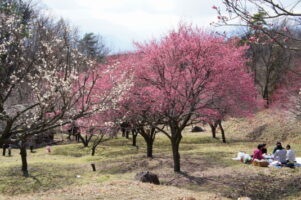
188	76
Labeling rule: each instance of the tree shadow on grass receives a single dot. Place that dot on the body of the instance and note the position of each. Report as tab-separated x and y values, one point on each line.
191	163
194	179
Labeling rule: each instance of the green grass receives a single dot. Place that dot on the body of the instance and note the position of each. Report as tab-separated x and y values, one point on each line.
206	164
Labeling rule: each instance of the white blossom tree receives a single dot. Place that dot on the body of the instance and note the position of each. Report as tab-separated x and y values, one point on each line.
40	87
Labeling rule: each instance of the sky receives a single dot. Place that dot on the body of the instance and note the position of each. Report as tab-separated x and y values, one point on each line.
121	22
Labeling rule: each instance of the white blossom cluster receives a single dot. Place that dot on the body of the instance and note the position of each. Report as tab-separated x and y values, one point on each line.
41	87
38	75
8	24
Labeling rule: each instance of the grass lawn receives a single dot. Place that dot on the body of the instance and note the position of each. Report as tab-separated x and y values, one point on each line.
207	172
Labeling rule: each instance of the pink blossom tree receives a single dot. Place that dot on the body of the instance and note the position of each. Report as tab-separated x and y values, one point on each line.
111	84
287	95
183	71
138	108
94	130
235	96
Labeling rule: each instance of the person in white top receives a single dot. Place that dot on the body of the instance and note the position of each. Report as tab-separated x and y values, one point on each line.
290	154
280	155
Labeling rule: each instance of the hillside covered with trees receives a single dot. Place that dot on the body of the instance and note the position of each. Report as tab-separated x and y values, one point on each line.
177	108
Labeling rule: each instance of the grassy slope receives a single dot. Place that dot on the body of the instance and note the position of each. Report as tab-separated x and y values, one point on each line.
208	171
267	126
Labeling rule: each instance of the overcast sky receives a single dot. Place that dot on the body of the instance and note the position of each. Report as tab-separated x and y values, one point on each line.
121	22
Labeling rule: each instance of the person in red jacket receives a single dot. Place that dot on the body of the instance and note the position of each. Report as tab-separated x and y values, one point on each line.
258	153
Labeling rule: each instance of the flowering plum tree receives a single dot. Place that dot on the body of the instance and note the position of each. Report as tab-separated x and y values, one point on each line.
137	108
94	132
111	84
287	93
183	71
36	84
234	96
142	118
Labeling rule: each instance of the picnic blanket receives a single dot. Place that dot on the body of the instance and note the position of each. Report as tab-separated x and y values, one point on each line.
278	164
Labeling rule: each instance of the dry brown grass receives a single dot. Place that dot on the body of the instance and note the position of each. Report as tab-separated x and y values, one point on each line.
269	125
120	190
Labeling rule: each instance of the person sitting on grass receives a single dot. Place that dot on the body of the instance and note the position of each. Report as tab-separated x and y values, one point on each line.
290	154
264	149
280	154
258	153
278	147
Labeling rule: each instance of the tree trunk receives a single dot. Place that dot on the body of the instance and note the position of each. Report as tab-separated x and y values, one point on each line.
127	133
134	134
93	151
222	131
149	138
266	92
213	129
176	137
266	95
93	167
134	140
176	154
149	146
85	140
4	150
86	143
23	154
